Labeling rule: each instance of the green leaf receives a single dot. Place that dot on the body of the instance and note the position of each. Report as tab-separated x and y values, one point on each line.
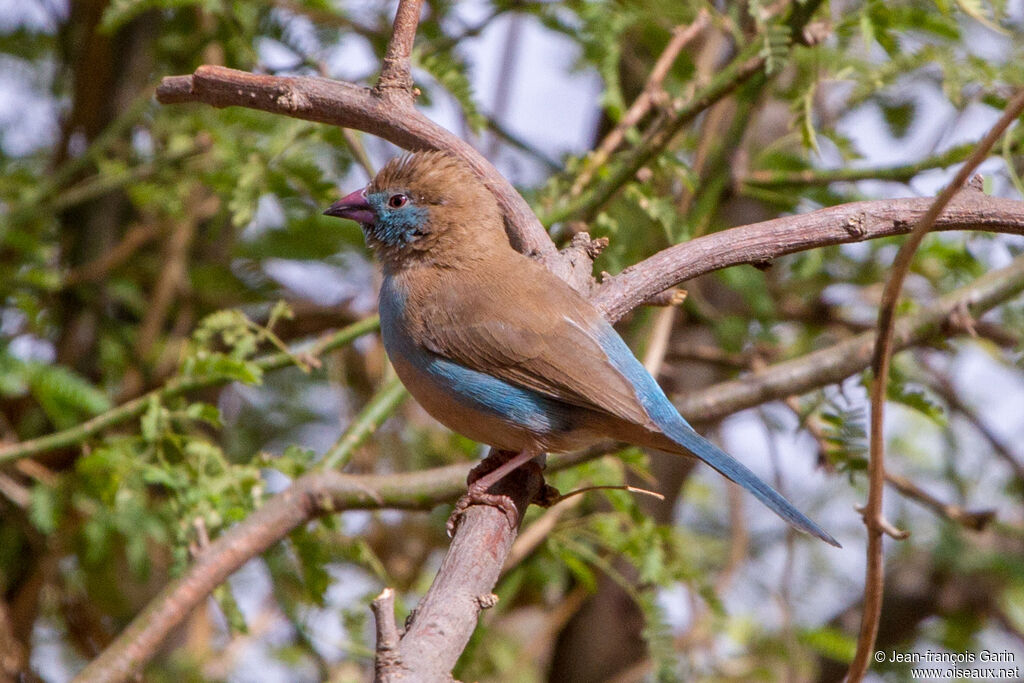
579	568
152	420
899	115
64	395
830	642
204	412
915	399
229	606
44	509
450	72
120	12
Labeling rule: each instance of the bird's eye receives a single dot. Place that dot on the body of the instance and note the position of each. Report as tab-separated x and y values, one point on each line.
397	201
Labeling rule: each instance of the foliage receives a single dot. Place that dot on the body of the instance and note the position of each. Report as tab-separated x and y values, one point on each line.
145	245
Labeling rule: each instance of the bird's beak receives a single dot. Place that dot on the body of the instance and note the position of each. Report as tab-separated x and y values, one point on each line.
353	206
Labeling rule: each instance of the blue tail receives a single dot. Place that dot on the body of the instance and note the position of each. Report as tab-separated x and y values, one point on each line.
684	435
675	427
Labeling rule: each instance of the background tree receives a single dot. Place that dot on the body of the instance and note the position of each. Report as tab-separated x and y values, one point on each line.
172	383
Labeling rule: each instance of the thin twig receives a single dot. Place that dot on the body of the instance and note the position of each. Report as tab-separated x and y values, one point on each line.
355	145
825	176
681	37
14	492
947	391
371	417
176	387
975	520
874	575
658	340
395	71
503	86
386	663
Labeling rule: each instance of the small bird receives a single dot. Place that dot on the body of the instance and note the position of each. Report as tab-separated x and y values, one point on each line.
498	348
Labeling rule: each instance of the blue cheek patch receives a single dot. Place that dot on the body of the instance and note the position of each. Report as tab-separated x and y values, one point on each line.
395	227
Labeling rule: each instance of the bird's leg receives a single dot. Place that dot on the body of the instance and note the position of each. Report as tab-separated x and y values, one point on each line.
483	477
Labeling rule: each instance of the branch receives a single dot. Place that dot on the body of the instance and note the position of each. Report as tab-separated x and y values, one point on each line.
873	519
825	176
446	617
759	243
975	520
944	388
309	496
652	92
846	358
330	492
376	111
387	659
395	71
175	387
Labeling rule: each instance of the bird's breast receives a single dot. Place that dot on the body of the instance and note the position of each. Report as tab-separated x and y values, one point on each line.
473	403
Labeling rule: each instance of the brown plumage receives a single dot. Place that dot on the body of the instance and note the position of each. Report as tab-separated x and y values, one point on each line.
498	348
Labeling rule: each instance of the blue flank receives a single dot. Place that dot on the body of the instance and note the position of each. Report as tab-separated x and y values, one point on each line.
675	427
475	390
483	392
395	227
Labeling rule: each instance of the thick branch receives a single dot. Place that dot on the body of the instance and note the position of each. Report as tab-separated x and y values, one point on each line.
331	492
446	617
759	243
351	106
309	496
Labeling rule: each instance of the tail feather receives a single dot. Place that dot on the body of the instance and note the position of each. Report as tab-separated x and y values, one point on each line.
681	433
676	429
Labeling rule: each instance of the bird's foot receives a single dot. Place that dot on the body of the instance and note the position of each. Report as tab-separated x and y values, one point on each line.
477	495
488	472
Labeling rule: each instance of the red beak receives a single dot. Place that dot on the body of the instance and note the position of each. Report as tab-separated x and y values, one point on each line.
353	206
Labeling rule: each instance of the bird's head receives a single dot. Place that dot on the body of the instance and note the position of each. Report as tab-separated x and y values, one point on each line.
424	207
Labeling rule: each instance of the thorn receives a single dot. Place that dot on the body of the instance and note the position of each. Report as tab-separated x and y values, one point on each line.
486	601
886	527
630	489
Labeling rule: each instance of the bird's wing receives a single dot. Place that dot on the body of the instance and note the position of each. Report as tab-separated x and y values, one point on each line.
536	333
539	334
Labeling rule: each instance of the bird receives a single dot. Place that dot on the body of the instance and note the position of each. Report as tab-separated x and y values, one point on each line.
498	348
